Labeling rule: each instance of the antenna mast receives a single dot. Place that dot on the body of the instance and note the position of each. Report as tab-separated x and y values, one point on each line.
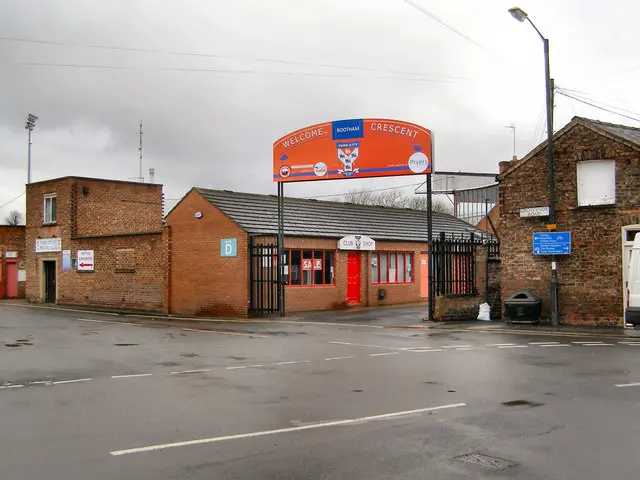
141	177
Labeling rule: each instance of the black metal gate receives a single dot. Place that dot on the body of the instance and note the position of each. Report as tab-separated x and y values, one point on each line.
263	278
454	266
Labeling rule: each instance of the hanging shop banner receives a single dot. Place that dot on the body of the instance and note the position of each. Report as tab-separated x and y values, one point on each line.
357	148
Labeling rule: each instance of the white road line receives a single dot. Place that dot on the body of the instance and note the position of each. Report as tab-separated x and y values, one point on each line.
237	334
339	358
623	385
456	346
466	349
12	386
631	344
556	345
543	343
514	346
351	421
42	382
185	372
597	345
500	344
239	367
287	363
426	350
77	380
590	343
132	376
108	321
383	354
367	345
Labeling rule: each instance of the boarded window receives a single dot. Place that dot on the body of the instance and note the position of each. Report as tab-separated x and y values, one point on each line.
596	182
125	260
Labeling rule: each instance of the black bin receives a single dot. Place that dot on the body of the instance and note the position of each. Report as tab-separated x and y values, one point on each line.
524	307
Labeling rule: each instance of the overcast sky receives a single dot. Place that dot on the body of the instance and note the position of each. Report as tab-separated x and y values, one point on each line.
210	120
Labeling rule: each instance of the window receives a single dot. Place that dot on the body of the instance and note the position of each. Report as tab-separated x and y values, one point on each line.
310	267
596	182
392	267
49	209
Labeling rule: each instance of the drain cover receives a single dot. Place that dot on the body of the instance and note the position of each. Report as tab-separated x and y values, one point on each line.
487	461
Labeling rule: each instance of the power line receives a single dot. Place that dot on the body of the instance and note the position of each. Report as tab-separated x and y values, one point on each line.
12	200
591	98
220	70
598	107
446	25
222	56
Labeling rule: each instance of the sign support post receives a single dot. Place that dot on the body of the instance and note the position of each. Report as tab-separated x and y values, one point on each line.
430	306
280	263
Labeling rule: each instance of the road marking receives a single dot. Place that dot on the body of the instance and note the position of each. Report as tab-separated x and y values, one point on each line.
42	382
109	321
556	345
426	350
383	354
623	385
185	372
500	344
543	343
367	345
466	349
12	386
590	343
237	334
597	345
456	346
77	380
239	367
335	423
631	344
339	358
132	376
288	363
514	346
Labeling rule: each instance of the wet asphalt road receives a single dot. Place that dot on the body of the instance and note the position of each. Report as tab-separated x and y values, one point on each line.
86	396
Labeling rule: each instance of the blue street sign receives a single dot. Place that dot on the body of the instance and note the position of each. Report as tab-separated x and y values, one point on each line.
552	243
228	247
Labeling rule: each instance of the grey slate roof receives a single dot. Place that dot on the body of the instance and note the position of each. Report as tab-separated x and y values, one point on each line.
258	214
630	134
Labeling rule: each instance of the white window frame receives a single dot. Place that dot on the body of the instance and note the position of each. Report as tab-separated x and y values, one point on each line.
596	182
44	209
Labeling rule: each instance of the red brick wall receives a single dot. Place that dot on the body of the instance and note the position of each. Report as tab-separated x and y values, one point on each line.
591	277
201	282
102	222
12	239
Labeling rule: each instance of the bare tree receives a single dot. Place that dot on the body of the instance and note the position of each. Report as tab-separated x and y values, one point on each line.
14	218
395	198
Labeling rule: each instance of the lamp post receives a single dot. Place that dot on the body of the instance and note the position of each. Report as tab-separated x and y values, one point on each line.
521	16
30	125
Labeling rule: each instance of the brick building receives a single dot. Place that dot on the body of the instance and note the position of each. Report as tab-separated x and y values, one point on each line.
95	242
222	259
597	177
12	261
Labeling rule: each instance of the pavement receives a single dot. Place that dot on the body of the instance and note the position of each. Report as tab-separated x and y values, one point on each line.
87	395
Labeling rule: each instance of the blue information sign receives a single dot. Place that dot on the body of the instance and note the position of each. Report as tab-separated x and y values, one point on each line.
552	243
228	247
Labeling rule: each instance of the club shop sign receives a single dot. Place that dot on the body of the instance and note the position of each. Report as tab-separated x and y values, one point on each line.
356	242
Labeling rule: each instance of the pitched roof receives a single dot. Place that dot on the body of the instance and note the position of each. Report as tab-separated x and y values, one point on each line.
258	214
629	136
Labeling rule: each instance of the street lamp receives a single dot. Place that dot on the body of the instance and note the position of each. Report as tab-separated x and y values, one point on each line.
521	16
30	125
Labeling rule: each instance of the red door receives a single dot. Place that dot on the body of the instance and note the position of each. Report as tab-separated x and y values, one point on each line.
12	279
353	277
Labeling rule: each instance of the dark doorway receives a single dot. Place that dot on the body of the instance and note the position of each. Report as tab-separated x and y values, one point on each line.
263	278
49	269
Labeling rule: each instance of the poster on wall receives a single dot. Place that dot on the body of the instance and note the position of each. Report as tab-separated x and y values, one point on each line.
66	260
355	148
85	261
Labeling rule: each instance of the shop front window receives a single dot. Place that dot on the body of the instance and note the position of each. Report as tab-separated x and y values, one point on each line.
310	267
392	267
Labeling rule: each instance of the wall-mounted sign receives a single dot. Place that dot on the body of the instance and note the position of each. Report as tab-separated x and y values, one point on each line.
307	264
317	264
356	242
44	245
552	243
85	261
66	260
228	247
534	212
358	148
10	254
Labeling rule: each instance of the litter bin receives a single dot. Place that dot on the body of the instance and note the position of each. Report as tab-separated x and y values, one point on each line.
524	307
